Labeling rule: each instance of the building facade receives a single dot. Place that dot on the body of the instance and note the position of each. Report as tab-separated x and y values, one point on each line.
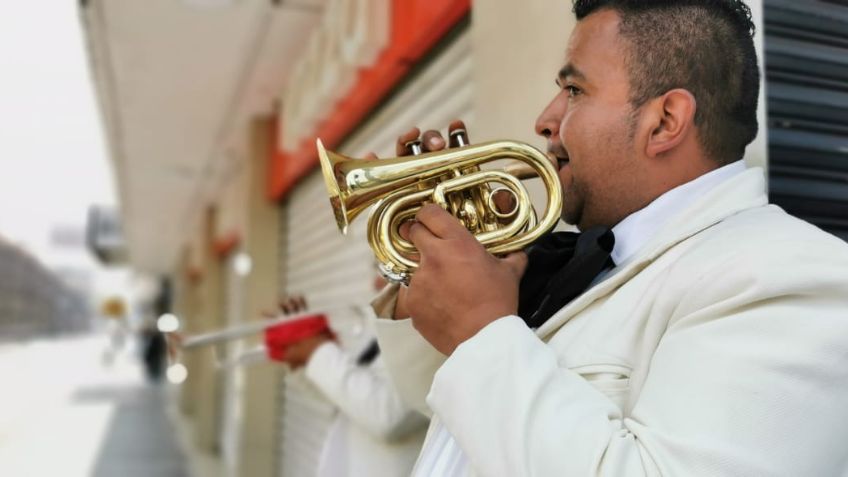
212	111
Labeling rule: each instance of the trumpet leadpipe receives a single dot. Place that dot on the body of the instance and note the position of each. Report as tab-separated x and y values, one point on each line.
250	357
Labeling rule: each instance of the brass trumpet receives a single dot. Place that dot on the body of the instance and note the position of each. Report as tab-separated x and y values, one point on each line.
399	187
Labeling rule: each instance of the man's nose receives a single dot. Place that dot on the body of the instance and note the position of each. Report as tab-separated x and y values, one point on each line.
547	124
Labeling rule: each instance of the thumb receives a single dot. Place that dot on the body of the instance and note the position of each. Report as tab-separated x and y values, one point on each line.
517	262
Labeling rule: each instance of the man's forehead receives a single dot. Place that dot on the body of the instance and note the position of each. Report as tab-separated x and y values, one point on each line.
593	37
603	21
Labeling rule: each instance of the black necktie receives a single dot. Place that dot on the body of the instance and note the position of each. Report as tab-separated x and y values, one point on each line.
561	266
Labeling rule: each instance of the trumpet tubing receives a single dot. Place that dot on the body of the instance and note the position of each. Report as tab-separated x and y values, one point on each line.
399	187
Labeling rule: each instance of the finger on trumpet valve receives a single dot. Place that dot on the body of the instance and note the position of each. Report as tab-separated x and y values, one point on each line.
414	147
458	138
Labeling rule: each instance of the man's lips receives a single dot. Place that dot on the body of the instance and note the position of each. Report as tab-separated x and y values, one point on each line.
559	160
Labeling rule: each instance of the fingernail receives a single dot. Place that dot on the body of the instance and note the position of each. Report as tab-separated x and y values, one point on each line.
435	142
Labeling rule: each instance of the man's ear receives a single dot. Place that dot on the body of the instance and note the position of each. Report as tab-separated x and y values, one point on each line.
672	119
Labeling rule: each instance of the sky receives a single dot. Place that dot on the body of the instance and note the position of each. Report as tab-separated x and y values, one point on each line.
53	156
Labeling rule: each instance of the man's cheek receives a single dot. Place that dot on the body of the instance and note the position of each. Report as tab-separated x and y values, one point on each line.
566	177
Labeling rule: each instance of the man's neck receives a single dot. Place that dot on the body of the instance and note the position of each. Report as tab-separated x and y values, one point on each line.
639	227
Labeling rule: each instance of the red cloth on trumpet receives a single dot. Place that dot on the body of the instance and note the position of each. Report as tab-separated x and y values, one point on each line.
279	337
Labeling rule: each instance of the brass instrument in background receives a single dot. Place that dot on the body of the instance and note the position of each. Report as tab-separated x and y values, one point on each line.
251	328
235	332
399	187
220	338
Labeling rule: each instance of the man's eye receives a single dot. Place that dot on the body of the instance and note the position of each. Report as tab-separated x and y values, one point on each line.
572	90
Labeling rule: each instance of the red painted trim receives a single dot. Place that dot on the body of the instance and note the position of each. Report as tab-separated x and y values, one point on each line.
226	244
417	25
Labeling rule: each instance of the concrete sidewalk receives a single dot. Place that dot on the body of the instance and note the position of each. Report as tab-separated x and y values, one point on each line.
65	413
140	440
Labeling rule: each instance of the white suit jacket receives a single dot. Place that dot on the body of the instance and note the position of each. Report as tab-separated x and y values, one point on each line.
720	348
374	432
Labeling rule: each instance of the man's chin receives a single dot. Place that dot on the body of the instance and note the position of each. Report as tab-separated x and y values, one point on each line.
571	217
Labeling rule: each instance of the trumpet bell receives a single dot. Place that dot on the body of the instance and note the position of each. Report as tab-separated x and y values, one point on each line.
329	160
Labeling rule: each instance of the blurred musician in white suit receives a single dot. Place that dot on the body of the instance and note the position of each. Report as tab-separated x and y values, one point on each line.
374	432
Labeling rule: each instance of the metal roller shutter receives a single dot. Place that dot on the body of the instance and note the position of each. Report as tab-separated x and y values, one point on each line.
332	270
807	88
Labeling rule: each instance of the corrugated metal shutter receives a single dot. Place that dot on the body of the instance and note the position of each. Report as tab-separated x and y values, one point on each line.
807	87
332	270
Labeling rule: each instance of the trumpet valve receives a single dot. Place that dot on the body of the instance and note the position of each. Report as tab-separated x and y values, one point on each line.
387	270
469	217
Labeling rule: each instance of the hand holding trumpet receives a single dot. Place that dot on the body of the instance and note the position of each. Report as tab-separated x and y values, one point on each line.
459	287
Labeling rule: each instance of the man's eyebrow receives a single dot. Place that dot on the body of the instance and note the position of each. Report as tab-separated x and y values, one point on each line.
569	70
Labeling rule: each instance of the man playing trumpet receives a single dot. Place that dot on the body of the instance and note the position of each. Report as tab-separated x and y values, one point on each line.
712	336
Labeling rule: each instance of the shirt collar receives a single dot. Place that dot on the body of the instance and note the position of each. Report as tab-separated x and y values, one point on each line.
637	228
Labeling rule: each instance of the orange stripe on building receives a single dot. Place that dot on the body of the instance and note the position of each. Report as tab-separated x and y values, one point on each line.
417	26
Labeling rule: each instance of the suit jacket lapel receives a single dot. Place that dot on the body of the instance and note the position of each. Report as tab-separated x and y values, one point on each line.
739	193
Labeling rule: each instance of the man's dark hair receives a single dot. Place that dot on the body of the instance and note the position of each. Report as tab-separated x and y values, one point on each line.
703	46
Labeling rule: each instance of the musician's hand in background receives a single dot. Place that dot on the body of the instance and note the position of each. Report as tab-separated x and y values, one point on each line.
298	354
459	287
292	304
286	306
